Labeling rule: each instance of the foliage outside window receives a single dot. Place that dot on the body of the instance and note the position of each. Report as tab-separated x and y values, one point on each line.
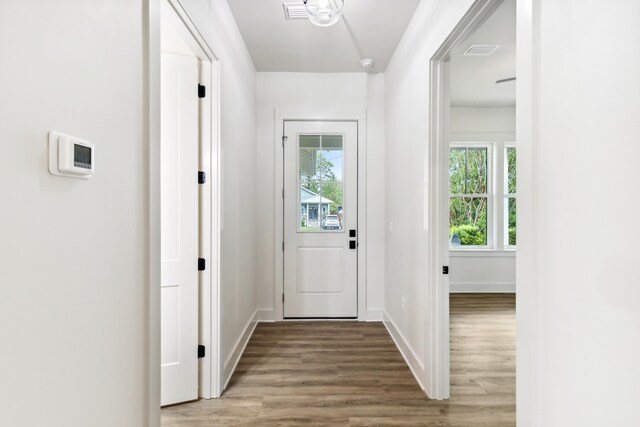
510	196
469	196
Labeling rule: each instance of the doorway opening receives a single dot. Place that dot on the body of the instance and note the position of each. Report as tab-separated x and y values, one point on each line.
320	200
188	217
320	188
473	195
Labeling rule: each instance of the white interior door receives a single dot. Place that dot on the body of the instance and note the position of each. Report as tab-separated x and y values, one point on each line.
320	220
179	228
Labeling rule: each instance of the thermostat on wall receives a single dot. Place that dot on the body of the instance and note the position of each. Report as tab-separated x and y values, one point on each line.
70	156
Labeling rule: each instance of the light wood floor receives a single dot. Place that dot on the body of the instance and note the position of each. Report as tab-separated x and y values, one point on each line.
351	374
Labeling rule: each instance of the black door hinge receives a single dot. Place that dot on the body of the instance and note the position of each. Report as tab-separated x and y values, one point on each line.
202	177
282	297
201	264
445	269
202	91
200	351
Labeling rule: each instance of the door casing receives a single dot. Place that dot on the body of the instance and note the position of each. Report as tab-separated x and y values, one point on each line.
437	330
333	115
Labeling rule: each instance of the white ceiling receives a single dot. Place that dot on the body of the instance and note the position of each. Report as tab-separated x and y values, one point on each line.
473	78
299	46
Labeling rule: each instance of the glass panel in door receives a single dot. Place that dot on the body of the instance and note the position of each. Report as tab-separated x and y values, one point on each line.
320	173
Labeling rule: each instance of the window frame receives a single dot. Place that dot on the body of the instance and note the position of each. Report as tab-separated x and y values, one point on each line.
507	196
489	195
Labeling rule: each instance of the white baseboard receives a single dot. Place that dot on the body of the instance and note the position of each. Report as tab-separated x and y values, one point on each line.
417	368
374	315
231	363
472	287
371	315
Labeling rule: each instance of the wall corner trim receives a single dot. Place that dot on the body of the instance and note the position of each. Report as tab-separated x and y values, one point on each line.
232	362
417	368
374	315
266	315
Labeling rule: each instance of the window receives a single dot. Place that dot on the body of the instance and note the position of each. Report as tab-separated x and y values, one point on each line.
482	195
469	197
510	196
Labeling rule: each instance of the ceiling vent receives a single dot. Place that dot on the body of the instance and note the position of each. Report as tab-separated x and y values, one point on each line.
481	50
295	11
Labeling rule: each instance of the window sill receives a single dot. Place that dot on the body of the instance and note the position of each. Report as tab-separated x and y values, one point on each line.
477	252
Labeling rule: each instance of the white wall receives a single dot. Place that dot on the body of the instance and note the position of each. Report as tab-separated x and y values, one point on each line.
73	253
578	293
482	120
484	271
473	271
73	275
238	174
313	92
407	130
578	260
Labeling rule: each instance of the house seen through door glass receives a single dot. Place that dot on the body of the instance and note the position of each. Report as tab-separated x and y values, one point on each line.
320	172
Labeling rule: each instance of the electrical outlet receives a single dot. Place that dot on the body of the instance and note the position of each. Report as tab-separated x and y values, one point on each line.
402	303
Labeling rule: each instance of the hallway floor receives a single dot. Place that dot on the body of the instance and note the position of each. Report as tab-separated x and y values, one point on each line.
351	374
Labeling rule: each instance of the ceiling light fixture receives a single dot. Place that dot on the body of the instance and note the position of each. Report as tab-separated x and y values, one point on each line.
324	13
366	63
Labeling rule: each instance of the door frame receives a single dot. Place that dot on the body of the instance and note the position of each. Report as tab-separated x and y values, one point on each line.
437	331
209	371
334	115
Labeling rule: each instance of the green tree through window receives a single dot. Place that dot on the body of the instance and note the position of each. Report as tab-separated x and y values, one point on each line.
468	190
510	196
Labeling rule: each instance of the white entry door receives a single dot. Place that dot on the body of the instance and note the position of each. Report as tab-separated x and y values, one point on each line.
179	228
320	220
